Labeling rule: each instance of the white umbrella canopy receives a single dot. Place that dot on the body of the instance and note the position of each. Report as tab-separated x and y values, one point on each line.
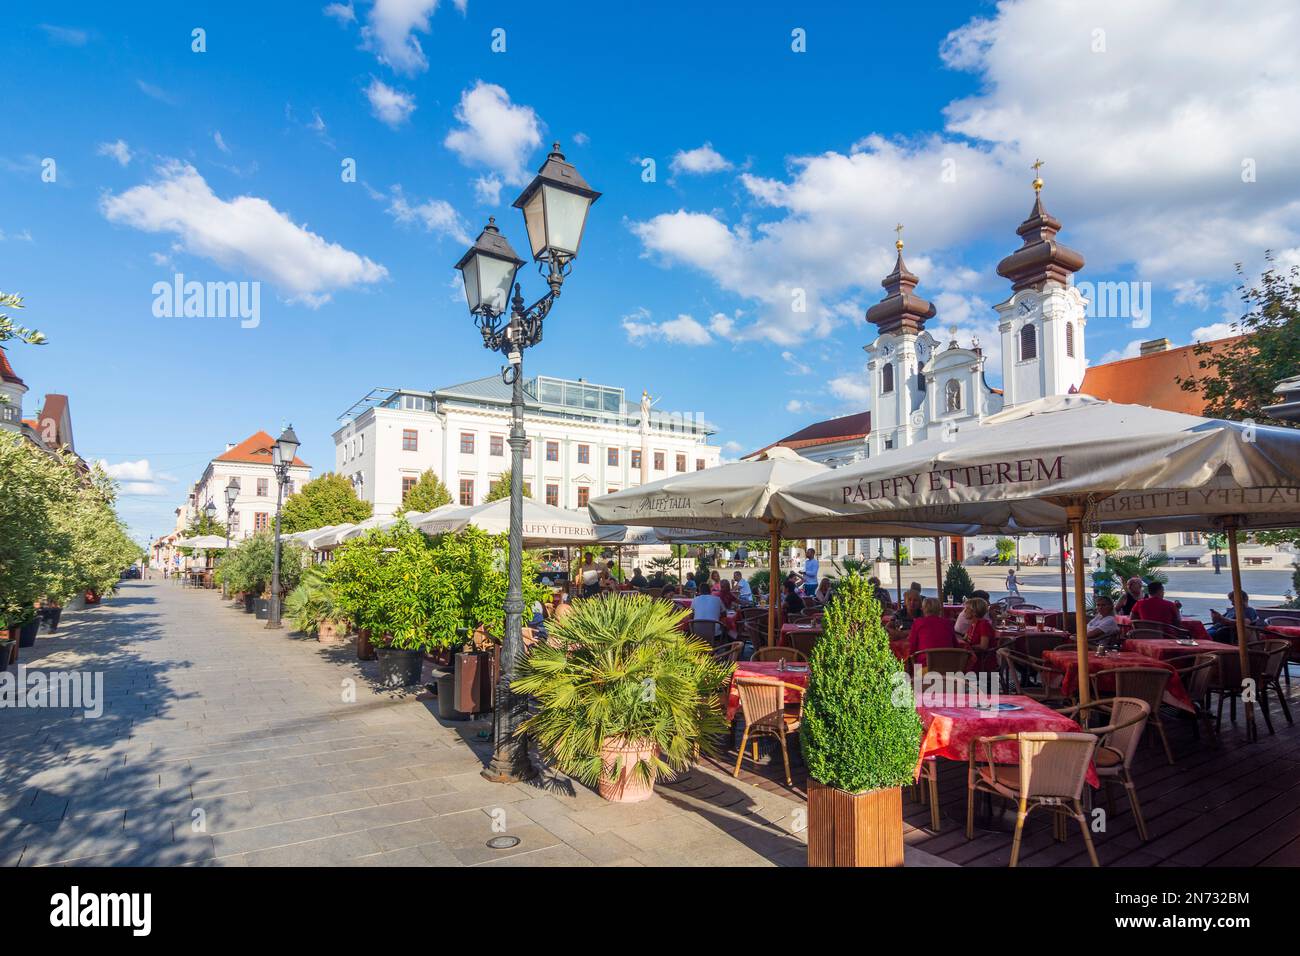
205	542
361	527
543	525
326	537
1016	470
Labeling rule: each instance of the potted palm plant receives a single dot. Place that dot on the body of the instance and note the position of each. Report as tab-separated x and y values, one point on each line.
622	695
860	736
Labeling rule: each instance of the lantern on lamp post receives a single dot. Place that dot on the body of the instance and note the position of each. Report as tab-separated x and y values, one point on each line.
282	456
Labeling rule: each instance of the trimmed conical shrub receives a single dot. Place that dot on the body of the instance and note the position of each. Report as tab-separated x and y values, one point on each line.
957	583
860	728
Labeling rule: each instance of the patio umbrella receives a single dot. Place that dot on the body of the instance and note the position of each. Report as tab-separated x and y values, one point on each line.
543	525
1070	460
203	542
734	501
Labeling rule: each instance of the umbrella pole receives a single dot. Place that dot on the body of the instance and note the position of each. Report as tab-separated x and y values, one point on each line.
898	563
773	582
1065	597
1074	513
938	567
1230	529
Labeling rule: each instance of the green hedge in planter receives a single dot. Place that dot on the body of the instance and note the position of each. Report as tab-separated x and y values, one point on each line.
860	727
248	568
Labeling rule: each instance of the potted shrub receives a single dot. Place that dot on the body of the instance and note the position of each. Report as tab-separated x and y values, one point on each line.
861	736
28	626
623	695
311	609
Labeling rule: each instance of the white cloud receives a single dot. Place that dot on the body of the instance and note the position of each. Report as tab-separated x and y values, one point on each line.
221	143
390	32
721	325
494	132
683	330
23	236
344	13
1215	330
851	388
1132	350
436	216
390	106
1191	292
1144	144
69	36
245	234
699	161
118	150
732	446
796	367
487	190
155	92
794	406
581	139
138	478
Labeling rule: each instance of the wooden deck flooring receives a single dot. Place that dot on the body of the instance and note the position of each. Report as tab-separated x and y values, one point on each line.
1230	804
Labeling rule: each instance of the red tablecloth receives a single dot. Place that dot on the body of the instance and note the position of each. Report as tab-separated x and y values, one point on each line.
798	629
1067	661
1196	629
950	731
1163	650
901	648
1047	616
953	611
769	669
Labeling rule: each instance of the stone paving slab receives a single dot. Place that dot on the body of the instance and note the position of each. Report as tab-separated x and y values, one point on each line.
223	743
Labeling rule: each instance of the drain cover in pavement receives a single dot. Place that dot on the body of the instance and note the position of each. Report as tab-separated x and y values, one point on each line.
503	842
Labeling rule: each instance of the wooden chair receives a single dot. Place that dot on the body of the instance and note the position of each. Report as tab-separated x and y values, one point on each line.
1014	667
778	654
1050	773
1266	633
762	701
1117	744
728	653
928	789
1146	684
1036	642
1146	630
754	630
942	660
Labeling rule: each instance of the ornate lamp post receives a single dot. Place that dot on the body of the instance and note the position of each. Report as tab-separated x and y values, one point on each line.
210	510
232	493
555	206
282	455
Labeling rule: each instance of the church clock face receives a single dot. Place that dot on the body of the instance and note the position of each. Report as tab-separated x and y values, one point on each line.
1026	307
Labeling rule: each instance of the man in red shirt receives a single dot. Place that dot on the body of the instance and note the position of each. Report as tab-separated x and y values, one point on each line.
1155	608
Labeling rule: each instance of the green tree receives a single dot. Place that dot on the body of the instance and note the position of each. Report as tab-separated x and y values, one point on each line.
327	500
204	525
1107	543
10	329
248	567
501	488
957	583
1006	550
427	493
1239	377
860	726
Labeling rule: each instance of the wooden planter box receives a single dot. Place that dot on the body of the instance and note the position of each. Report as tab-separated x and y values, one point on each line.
854	829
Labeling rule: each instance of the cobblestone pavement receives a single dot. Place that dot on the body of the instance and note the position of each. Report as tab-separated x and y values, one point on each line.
223	743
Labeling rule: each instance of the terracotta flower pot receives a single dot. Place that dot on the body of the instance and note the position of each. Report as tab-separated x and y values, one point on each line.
630	786
365	650
854	829
332	632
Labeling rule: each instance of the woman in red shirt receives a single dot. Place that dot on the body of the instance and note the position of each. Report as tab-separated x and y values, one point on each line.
981	635
726	595
931	630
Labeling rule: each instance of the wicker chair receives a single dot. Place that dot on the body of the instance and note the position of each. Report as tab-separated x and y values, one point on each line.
1266	633
753	629
1036	642
1147	630
803	641
942	660
1051	773
778	654
1117	744
728	653
1147	684
1196	672
1050	680
762	701
1267	664
711	631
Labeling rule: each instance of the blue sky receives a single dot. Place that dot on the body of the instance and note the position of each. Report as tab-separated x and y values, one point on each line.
1169	158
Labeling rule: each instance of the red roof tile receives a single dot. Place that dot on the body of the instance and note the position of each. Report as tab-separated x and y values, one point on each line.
1151	379
255	449
845	428
7	371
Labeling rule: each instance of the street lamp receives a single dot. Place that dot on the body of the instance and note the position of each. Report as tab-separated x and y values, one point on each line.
232	493
555	206
282	455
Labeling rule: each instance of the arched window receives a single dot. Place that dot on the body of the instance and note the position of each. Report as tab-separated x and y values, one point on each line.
1028	343
952	395
887	377
1069	339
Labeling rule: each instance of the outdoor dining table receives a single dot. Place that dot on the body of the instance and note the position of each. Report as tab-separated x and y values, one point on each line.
949	732
1017	634
1048	617
1067	662
787	671
1291	633
798	629
1196	629
1163	649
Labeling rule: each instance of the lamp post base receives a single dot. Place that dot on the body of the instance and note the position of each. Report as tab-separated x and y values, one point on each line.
513	766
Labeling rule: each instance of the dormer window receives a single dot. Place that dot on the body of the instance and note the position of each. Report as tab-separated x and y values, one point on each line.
887	378
1028	343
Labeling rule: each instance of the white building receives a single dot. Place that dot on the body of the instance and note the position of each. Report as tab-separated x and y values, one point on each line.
584	440
250	462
